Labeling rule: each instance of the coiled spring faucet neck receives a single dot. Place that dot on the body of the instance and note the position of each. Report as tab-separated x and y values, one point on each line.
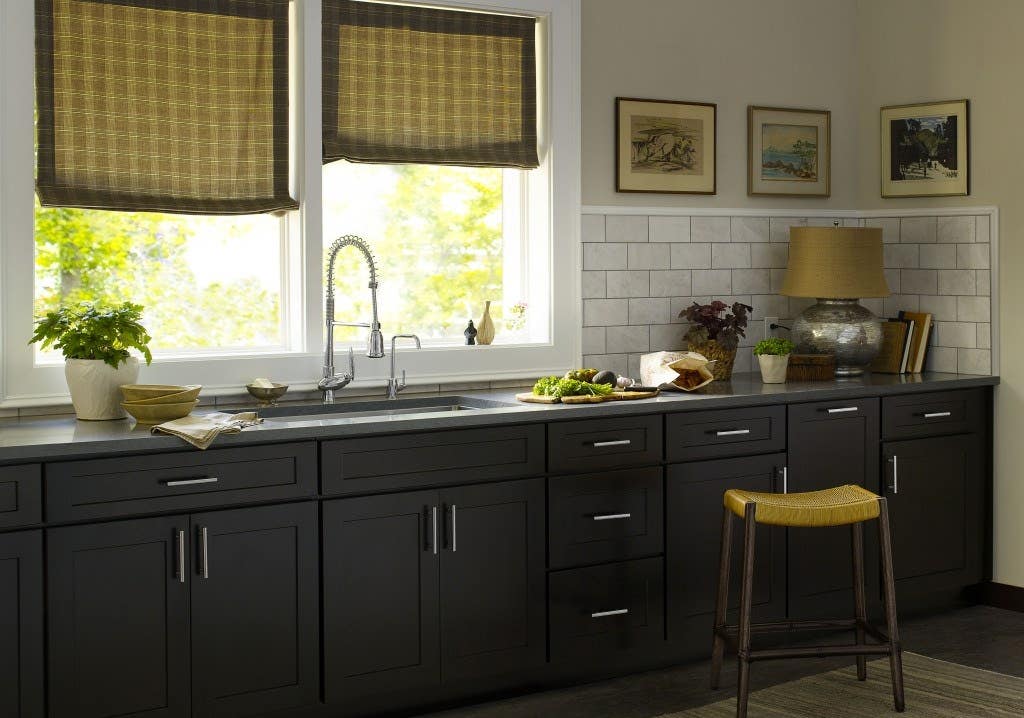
375	340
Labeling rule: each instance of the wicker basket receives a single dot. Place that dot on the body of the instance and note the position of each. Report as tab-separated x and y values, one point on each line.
723	358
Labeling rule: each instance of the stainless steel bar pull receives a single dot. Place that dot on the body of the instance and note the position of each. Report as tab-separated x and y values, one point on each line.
181	556
433	530
785	479
842	410
616	442
937	414
190	481
204	552
895	475
455	539
606	614
611	517
732	432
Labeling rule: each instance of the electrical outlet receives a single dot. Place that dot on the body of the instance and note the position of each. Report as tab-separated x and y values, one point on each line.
768	331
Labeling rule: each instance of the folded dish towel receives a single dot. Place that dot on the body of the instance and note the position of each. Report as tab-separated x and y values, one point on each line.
200	431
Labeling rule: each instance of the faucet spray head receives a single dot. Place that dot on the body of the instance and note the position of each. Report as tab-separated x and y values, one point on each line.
375	343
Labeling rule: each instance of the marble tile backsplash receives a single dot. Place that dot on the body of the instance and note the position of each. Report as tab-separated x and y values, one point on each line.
640	271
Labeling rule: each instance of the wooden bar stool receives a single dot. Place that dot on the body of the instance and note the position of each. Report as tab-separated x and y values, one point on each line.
839	506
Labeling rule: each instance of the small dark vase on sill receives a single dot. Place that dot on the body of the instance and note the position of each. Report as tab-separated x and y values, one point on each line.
470	334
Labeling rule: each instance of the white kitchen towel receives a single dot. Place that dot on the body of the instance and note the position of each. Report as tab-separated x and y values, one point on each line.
200	431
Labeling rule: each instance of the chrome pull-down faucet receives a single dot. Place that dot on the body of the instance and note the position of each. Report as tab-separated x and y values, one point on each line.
394	385
332	381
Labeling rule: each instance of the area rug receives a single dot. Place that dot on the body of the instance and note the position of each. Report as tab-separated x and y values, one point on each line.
934	689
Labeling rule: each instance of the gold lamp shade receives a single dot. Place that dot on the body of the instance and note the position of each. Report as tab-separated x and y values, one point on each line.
835	263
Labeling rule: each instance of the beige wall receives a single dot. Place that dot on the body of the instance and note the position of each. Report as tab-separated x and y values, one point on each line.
849	56
920	50
731	52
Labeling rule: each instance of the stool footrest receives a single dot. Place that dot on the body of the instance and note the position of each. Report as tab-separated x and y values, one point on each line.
818	652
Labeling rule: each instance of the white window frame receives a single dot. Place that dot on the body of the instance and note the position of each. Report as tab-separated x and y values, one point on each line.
555	187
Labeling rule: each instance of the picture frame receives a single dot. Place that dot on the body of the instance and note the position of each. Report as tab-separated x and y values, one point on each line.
789	152
925	149
665	146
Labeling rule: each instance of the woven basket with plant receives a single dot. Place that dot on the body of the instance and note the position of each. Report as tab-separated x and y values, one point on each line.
715	331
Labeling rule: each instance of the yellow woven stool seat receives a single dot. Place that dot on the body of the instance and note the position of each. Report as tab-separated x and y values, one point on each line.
838	506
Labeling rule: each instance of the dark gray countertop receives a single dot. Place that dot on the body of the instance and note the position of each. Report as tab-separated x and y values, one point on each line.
41	439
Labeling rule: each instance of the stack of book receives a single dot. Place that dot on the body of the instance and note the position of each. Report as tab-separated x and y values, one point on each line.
904	344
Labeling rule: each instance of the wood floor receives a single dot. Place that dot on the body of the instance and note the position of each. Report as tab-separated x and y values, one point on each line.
978	636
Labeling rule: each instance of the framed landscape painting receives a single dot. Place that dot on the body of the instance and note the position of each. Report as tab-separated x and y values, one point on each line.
789	152
924	149
664	146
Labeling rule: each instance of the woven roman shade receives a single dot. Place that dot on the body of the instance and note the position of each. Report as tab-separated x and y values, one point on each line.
163	105
405	84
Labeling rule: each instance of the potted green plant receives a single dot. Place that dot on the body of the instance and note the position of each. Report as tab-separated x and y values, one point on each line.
773	356
95	341
715	331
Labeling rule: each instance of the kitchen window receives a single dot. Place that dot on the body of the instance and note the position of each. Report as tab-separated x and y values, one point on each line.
232	297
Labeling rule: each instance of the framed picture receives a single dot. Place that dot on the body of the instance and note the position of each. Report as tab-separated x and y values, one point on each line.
924	149
664	146
789	152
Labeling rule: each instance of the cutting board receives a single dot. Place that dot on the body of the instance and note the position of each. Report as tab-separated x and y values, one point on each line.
532	398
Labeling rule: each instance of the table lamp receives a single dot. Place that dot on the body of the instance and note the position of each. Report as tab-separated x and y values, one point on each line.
837	266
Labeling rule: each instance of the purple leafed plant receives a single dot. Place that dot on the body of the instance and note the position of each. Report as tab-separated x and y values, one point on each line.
707	323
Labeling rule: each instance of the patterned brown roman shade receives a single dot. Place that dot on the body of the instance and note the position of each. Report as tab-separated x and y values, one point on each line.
163	105
406	84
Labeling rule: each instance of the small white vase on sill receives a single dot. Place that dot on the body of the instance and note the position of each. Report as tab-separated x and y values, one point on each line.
95	386
773	367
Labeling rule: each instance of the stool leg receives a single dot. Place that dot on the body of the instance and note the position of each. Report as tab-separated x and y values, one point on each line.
722	599
859	602
746	599
888	584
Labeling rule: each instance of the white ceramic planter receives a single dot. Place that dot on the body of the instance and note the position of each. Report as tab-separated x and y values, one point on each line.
95	387
773	368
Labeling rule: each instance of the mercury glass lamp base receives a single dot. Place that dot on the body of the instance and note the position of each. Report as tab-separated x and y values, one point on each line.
841	327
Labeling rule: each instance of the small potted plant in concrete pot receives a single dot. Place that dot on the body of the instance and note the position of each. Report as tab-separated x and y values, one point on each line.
95	341
714	335
773	356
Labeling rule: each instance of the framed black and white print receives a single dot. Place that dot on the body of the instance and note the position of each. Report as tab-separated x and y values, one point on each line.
925	149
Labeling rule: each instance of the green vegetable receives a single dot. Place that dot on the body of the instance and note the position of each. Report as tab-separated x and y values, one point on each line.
775	346
93	332
556	387
581	374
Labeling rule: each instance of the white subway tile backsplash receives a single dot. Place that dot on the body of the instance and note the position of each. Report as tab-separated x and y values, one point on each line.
750	229
592	228
604	256
892	278
605	312
974	361
649	256
957	281
712	281
627	339
890	228
919	281
691	256
594	340
751	281
710	229
956	229
773	256
669	229
942	308
671	283
972	256
901	256
594	285
729	256
626	228
779	227
629	283
778	277
918	230
955	334
982	229
973	309
984	335
651	310
937	256
941	359
896	303
983	281
617	363
876	305
667	337
770	305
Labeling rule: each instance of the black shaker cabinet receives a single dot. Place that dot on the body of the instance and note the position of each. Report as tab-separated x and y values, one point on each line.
21	625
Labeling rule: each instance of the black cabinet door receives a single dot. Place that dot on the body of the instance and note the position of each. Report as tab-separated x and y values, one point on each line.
118	619
830	444
21	625
935	490
694	527
493	604
380	610
255	624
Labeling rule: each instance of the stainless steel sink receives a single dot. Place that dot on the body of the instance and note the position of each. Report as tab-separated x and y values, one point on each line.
400	408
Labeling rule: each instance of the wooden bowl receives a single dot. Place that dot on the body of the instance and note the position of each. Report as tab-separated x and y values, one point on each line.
189	393
138	392
158	413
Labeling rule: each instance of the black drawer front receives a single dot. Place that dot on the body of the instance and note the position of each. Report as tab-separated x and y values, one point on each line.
431	458
936	413
21	502
612	516
606	609
604	443
730	432
125	486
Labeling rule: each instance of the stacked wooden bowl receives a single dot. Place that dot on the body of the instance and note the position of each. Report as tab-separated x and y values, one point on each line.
157	403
